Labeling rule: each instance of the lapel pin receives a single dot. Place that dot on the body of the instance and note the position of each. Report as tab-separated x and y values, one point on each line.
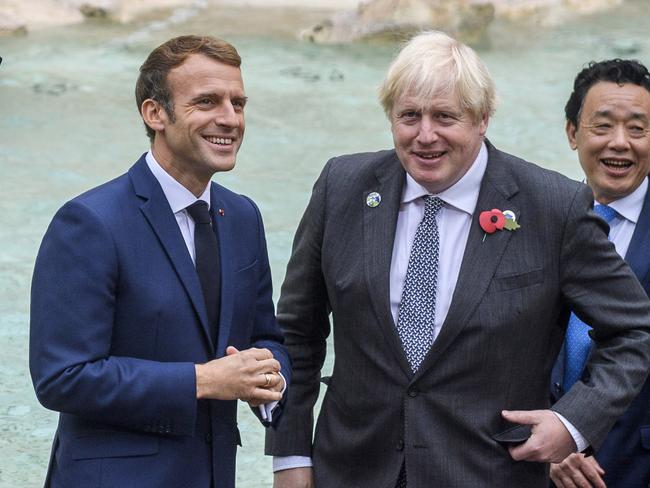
495	219
221	212
511	220
373	199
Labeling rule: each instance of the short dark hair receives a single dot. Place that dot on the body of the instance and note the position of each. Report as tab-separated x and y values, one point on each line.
152	82
617	70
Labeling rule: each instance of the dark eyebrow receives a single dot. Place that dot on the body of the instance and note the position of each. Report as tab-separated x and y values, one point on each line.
201	96
632	116
214	97
639	116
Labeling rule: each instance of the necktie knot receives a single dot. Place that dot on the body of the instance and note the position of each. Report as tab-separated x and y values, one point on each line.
199	212
432	206
606	212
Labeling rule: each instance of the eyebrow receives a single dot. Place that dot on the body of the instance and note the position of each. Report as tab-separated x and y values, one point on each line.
215	96
632	116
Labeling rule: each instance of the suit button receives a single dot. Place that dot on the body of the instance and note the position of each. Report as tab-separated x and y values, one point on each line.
413	392
400	445
208	438
558	387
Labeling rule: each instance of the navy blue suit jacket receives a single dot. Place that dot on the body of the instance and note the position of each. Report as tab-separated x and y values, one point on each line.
625	453
117	324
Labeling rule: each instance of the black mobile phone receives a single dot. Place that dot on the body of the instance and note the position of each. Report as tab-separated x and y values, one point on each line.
517	434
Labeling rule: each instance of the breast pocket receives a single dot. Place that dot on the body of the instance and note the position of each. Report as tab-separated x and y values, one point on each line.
245	283
515	281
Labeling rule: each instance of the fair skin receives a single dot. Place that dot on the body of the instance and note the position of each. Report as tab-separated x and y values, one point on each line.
550	441
612	139
294	478
203	139
614	152
209	99
578	471
437	144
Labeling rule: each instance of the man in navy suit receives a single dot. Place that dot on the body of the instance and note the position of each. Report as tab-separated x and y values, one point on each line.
141	349
608	123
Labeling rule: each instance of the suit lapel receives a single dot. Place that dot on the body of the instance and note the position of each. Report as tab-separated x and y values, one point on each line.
224	221
638	252
378	237
159	214
482	255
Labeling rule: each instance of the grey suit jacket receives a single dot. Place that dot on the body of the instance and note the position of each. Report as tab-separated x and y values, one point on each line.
496	347
625	452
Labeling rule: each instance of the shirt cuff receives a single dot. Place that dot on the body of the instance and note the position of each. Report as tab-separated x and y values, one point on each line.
266	410
578	438
280	463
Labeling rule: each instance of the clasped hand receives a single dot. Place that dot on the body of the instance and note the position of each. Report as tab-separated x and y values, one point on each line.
250	375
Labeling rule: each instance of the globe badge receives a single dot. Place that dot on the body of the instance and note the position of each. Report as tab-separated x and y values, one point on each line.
373	199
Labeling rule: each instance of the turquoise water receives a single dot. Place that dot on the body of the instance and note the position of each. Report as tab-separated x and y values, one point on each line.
68	121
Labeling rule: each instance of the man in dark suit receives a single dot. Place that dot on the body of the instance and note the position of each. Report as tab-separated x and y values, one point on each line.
608	121
449	268
151	309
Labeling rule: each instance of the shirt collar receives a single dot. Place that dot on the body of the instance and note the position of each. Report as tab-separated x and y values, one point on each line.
463	194
630	206
177	195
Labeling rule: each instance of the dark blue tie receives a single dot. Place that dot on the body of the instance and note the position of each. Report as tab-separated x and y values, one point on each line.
577	342
207	262
417	309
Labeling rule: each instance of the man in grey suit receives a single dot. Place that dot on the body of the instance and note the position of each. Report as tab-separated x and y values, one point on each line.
449	269
608	121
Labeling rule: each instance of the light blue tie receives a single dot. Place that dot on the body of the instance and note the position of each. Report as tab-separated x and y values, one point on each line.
577	342
417	309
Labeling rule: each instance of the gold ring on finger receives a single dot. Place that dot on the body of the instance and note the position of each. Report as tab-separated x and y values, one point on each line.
268	379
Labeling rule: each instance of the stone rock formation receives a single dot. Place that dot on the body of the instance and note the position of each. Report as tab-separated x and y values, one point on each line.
465	19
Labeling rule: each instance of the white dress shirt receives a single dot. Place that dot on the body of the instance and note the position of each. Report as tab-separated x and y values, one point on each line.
179	198
628	208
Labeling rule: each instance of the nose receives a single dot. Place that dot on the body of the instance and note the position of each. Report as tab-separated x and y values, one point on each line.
226	115
428	133
619	139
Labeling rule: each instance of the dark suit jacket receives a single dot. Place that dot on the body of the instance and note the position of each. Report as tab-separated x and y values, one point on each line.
625	452
496	347
118	322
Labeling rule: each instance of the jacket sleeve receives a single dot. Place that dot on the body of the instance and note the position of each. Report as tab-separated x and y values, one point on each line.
303	314
72	318
602	290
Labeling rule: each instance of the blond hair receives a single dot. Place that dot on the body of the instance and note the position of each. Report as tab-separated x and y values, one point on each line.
432	63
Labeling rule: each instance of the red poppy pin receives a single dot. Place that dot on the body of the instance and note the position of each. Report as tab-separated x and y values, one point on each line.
495	219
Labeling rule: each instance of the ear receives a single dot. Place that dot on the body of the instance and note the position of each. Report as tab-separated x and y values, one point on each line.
483	124
570	130
154	115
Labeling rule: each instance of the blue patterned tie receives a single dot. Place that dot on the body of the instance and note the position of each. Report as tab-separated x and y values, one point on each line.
577	342
417	309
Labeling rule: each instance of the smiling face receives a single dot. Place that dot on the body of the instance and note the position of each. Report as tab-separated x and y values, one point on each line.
208	127
612	139
437	143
